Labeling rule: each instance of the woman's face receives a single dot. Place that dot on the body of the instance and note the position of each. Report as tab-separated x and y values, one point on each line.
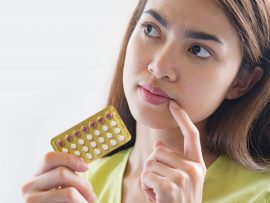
190	51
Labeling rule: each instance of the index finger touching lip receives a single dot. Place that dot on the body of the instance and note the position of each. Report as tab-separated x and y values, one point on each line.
56	159
192	144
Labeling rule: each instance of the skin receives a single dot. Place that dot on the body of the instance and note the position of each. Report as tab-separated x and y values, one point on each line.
56	181
168	162
174	167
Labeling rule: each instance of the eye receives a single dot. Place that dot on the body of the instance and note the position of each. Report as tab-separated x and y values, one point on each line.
150	30
200	51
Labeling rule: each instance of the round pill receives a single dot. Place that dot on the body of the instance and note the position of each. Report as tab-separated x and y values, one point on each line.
65	150
73	146
85	129
97	132
85	148
109	135
113	123
121	137
109	115
89	137
105	128
117	130
76	133
69	138
89	156
97	151
81	141
101	139
93	144
93	124
60	143
113	142
77	153
100	120
105	146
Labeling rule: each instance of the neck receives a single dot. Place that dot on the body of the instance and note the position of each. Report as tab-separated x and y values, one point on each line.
173	138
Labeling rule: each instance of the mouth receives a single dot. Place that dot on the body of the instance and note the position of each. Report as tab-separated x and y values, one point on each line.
154	90
153	95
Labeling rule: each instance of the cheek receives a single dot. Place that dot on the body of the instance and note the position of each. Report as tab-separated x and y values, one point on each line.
132	67
129	66
133	48
138	55
203	96
136	60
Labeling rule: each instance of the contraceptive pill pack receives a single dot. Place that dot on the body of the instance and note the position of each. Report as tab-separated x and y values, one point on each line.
94	137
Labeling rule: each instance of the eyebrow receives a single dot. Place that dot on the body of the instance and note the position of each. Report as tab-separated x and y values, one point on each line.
188	33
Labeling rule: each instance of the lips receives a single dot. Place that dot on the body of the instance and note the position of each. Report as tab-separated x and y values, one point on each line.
152	95
154	90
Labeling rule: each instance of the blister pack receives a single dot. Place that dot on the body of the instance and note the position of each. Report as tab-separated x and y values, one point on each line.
94	137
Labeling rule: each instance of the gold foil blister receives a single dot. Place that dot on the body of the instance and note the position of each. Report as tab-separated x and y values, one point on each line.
94	137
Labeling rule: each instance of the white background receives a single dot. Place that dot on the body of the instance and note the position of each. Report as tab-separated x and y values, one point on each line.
56	62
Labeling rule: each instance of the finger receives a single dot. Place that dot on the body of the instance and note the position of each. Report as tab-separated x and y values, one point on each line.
69	194
56	159
192	144
172	159
60	176
177	176
149	181
160	186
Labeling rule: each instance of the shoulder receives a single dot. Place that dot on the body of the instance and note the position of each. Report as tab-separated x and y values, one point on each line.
230	180
233	170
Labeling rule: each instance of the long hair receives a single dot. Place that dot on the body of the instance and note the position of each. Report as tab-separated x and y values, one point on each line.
239	128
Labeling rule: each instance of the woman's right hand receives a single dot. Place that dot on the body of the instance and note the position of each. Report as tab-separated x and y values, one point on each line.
56	181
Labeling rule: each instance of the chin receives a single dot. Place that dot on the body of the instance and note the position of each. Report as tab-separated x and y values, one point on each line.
153	117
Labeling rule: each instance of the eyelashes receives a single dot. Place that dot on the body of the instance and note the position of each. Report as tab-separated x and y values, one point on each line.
196	49
153	32
148	28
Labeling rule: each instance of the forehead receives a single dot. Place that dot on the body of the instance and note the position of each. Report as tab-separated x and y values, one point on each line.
200	15
189	11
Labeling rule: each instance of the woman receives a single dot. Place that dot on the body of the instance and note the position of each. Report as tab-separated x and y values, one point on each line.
192	85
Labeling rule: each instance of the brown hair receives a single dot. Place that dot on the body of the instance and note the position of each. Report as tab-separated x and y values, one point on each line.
239	128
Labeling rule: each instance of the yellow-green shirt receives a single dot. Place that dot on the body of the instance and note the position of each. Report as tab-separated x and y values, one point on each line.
226	181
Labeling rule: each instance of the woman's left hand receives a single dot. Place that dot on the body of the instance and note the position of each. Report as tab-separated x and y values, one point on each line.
169	177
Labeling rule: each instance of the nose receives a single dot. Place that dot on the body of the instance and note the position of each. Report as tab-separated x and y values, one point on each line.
164	63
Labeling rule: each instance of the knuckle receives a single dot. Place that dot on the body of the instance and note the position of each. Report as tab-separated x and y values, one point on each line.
25	188
49	156
88	185
71	194
167	187
192	169
196	170
28	187
30	199
181	178
149	163
158	150
144	173
194	133
62	172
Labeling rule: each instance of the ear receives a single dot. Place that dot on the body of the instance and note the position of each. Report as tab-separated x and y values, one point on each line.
242	84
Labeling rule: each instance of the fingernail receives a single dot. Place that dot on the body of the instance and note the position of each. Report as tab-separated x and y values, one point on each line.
83	165
173	105
150	199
